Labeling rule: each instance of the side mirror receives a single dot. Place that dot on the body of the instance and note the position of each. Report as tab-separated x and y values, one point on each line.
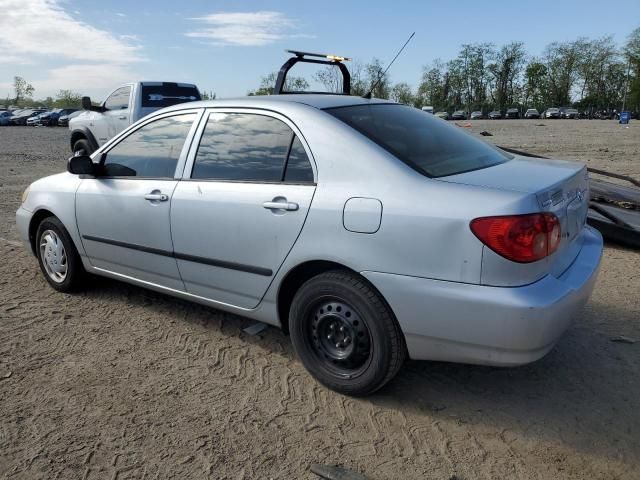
86	103
81	165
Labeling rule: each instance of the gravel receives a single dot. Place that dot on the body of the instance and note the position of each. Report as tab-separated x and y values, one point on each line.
120	382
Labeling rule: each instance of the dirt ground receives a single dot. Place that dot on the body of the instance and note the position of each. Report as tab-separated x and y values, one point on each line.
119	382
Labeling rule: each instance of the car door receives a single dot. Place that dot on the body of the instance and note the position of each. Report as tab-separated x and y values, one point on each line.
123	213
241	205
116	115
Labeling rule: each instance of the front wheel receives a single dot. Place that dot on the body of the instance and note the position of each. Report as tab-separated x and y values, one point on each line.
345	334
58	257
82	147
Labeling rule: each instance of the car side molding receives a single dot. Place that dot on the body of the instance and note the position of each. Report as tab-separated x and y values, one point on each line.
266	272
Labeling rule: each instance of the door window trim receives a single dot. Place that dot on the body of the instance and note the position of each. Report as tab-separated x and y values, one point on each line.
188	167
114	142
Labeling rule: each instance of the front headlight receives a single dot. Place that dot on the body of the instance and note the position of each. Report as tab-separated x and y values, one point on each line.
25	194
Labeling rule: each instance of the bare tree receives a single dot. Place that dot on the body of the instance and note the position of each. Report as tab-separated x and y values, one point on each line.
68	98
22	89
291	84
507	71
401	93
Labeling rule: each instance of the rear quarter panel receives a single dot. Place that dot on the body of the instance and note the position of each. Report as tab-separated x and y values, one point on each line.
424	231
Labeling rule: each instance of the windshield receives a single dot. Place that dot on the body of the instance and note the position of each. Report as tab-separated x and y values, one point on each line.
420	140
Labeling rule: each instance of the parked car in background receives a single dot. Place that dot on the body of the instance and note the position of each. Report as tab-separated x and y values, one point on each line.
442	115
63	120
424	243
427	109
512	113
22	117
532	113
603	115
50	119
35	119
495	115
4	118
477	115
571	113
551	113
459	115
124	106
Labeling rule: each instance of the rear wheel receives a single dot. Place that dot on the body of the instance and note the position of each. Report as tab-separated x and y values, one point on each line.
58	257
344	333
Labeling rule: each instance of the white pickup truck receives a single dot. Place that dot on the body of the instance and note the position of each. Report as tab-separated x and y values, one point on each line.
124	106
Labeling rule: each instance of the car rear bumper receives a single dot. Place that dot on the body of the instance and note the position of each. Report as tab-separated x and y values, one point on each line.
502	326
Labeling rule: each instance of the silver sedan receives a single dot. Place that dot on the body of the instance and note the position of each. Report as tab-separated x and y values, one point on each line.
368	230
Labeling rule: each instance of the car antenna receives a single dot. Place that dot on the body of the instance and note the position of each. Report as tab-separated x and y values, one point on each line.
381	76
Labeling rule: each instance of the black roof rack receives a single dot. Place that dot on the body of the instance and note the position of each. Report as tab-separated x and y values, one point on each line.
301	57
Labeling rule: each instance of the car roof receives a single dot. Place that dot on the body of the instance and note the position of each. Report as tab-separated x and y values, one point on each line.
320	101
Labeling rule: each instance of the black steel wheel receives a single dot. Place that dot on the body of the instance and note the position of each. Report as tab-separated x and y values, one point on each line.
340	337
345	334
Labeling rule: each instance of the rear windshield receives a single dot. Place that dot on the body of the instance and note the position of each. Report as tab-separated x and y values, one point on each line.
167	94
422	141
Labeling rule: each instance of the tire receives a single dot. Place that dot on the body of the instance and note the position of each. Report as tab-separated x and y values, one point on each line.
370	350
82	147
50	233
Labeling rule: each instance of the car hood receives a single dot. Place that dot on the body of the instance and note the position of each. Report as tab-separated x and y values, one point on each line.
521	174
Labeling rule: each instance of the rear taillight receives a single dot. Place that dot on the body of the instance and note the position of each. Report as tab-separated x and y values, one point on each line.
520	238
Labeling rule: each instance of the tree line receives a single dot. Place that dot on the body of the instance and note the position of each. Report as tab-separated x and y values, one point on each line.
588	74
23	92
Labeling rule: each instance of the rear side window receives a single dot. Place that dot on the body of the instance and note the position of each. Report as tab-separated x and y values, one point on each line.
419	139
152	151
167	94
118	100
242	147
298	166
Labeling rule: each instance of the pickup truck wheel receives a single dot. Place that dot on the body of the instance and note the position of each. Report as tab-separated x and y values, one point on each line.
345	334
58	257
82	147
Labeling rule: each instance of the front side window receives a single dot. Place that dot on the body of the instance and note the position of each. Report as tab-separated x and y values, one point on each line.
422	141
152	151
118	100
242	147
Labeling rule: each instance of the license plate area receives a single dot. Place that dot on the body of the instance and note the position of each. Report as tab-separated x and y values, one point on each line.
576	216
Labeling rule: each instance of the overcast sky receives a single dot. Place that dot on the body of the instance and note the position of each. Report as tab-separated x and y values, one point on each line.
225	46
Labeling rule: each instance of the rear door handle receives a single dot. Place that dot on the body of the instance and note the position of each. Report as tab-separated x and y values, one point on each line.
281	206
156	197
122	117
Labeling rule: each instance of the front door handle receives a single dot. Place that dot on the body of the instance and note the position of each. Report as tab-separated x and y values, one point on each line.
156	197
281	206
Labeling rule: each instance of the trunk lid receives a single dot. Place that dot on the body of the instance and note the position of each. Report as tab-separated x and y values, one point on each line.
560	187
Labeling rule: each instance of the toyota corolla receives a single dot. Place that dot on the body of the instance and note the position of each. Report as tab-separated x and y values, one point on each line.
370	231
